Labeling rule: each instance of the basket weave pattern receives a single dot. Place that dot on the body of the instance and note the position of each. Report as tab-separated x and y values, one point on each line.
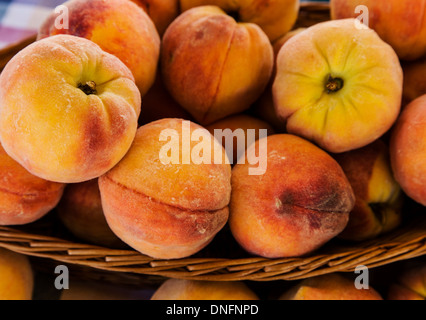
405	243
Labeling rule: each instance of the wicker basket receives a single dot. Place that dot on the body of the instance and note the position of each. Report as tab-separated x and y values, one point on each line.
223	260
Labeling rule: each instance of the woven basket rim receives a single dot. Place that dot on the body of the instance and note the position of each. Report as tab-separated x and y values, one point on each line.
402	244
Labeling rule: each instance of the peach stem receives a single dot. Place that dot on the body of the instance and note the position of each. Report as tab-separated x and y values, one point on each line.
88	88
333	84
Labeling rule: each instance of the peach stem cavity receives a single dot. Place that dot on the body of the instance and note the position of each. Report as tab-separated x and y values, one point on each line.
333	84
88	88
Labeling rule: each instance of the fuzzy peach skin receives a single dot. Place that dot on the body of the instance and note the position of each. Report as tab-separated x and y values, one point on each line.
80	210
279	42
68	109
379	199
159	104
24	198
167	210
337	85
213	66
410	285
161	12
402	24
408	150
119	27
264	107
301	202
16	276
331	286
414	80
275	17
238	126
177	289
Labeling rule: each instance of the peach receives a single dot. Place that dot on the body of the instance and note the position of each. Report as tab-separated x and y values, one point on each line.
80	210
161	12
16	276
24	198
119	27
332	286
278	43
213	66
239	132
414	80
159	104
68	110
379	199
101	291
160	199
410	284
275	17
177	289
338	86
408	150
402	24
294	214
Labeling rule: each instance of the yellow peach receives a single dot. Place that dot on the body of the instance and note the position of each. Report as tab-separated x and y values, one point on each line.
379	199
162	12
337	85
410	284
332	286
68	110
177	289
213	66
80	210
165	204
119	27
16	276
275	17
302	200
402	24
24	198
408	150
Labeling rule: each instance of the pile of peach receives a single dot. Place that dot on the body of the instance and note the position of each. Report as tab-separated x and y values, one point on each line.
87	110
